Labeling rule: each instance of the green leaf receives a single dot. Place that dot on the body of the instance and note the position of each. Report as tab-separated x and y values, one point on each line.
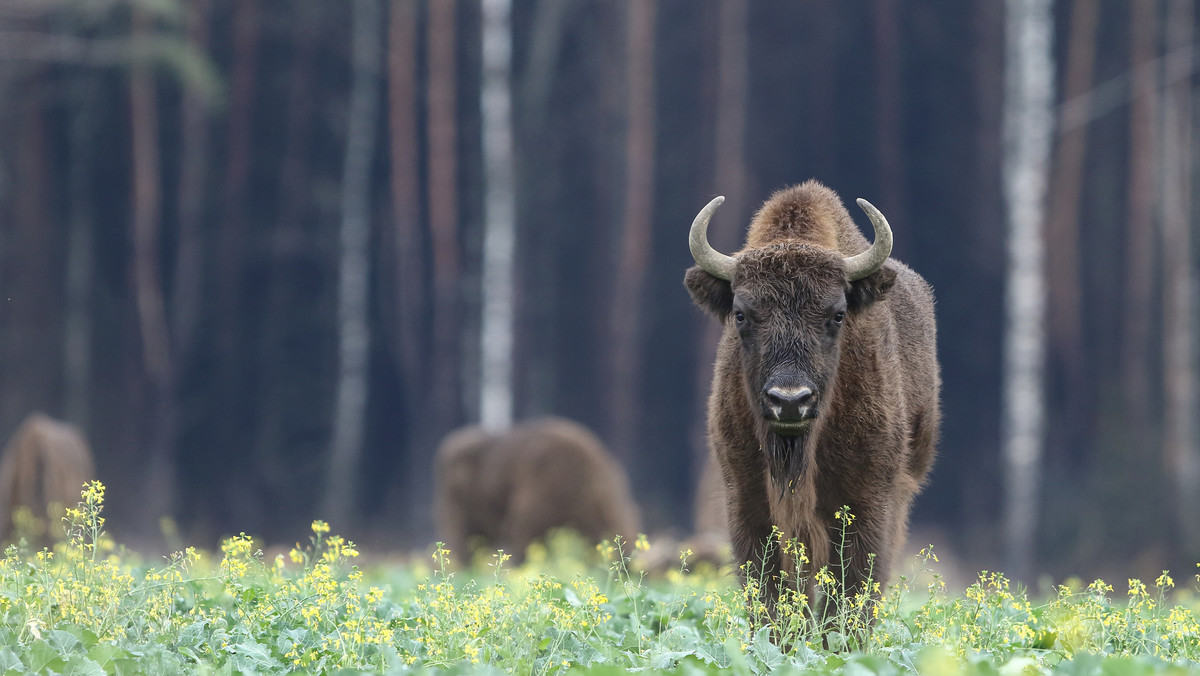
82	666
713	654
44	657
765	649
63	642
86	636
191	635
667	660
105	654
10	661
249	654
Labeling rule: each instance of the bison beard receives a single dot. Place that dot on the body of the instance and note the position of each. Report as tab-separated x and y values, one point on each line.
787	460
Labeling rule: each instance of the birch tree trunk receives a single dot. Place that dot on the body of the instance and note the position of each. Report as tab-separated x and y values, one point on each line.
354	263
499	238
634	253
1181	455
1028	125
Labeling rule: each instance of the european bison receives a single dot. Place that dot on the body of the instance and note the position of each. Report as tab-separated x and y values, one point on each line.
826	385
44	467
505	491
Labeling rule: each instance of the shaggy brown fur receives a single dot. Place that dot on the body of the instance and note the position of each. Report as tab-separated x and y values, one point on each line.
867	351
45	463
504	492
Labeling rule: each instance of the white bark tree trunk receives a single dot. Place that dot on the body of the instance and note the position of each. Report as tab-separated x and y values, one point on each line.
354	262
499	239
1028	126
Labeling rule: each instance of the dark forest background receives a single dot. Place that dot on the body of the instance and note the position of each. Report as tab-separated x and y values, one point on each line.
173	198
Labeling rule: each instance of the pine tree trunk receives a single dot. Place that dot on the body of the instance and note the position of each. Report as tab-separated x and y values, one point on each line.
1182	459
229	263
31	269
1064	296
349	416
729	179
625	396
78	324
189	258
1028	125
441	132
290	245
410	266
1139	284
889	116
162	414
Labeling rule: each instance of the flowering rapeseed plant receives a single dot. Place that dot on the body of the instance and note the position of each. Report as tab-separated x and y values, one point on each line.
88	606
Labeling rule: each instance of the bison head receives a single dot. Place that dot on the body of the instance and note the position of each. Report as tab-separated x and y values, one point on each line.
790	304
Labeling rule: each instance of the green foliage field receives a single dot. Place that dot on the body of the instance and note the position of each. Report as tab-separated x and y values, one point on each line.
87	607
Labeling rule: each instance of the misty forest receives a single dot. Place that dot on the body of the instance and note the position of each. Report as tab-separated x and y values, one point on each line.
266	254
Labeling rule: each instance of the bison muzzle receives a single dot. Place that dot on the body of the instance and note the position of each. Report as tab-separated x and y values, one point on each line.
825	392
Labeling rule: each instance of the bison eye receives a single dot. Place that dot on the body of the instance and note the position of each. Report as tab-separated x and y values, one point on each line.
837	318
739	318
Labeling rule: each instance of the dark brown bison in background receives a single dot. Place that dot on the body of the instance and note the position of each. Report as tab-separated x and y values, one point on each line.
826	385
44	467
505	491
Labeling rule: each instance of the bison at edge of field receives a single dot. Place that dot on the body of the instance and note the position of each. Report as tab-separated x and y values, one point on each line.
826	384
504	491
43	468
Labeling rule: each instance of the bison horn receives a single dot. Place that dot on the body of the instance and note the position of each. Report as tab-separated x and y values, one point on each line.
709	259
868	262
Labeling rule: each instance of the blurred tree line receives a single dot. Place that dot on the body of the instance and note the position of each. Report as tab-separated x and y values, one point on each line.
180	183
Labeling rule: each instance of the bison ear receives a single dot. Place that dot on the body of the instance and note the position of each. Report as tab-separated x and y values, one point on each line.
713	295
866	291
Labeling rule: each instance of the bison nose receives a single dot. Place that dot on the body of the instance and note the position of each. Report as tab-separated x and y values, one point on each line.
789	403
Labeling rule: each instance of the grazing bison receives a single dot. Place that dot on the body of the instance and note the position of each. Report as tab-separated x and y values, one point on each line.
505	491
826	385
44	467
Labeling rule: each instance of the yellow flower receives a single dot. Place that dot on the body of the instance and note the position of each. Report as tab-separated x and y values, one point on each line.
1136	587
320	527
